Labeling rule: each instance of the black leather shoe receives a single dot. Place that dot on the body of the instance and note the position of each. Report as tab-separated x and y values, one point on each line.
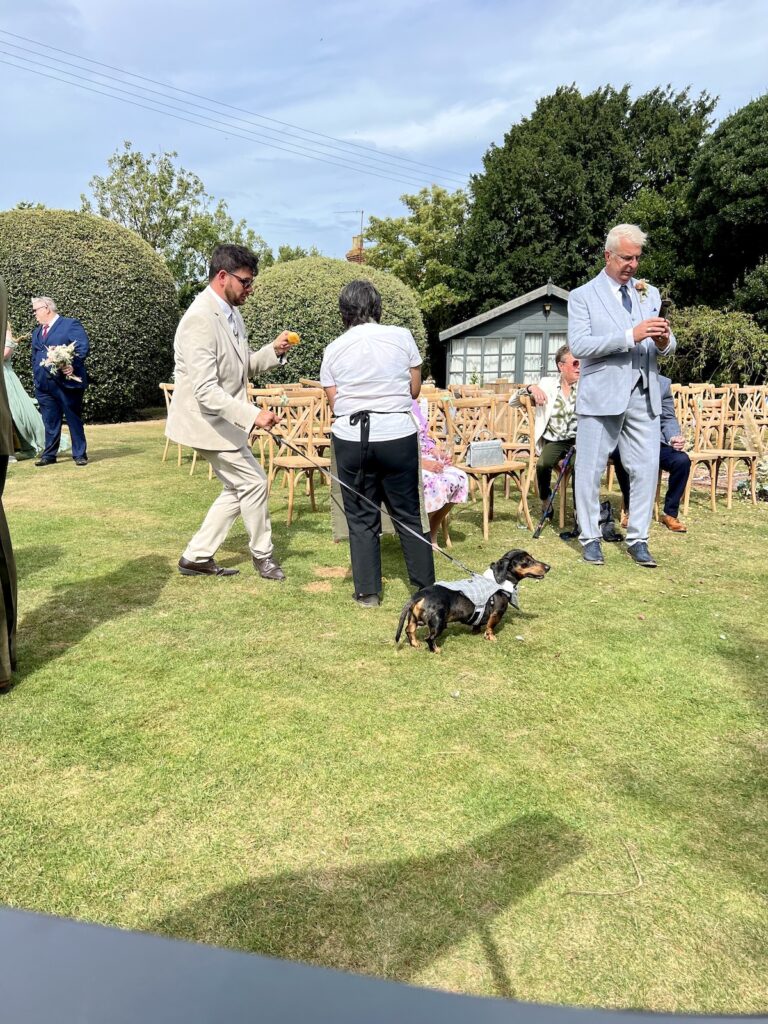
268	568
83	461
592	552
206	568
46	462
368	600
640	553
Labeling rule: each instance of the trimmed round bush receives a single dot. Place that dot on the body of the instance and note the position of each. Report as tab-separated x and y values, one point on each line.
111	280
303	295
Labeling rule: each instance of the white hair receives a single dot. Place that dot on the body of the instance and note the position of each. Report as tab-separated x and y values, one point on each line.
43	300
631	232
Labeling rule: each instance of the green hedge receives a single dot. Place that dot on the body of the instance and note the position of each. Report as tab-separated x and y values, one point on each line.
720	346
113	282
303	295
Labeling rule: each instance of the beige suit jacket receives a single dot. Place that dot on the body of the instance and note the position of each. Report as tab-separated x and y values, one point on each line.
210	407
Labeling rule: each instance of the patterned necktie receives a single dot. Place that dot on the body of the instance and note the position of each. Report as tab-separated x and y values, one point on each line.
45	331
233	325
625	299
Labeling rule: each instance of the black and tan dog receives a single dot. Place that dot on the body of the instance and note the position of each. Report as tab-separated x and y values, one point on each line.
436	606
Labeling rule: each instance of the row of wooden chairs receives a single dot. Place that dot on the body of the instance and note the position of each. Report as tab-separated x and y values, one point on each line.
713	418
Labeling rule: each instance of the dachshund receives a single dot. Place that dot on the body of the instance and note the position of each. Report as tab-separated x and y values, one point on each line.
436	606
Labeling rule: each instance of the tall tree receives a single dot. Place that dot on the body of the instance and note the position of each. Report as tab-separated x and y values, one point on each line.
729	199
170	208
548	195
421	249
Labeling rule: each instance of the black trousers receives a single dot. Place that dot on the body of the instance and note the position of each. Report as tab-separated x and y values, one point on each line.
551	453
390	475
676	463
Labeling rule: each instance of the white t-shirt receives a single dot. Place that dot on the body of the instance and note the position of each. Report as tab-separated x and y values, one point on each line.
370	367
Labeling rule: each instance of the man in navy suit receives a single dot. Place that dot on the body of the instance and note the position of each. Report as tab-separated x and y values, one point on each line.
616	333
59	394
672	458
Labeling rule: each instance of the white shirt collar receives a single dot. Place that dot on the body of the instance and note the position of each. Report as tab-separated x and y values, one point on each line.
225	306
50	323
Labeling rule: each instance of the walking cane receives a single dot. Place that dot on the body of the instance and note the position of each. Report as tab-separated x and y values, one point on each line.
551	500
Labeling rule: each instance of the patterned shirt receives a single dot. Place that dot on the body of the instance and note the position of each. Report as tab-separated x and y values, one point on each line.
562	422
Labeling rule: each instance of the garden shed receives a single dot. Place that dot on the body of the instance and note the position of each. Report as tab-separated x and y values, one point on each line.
516	341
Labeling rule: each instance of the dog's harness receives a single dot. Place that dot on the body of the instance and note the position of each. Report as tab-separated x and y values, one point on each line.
479	590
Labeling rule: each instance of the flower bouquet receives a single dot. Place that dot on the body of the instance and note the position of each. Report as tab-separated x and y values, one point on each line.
58	357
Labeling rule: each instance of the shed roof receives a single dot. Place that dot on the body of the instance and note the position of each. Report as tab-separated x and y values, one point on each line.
476	321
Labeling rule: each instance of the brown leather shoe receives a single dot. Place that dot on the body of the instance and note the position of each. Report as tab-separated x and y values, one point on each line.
673	523
5	685
268	568
206	568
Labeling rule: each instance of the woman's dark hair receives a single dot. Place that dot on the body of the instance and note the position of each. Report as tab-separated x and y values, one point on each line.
232	258
359	303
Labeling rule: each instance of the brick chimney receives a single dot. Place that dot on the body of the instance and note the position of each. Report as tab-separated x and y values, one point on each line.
356	254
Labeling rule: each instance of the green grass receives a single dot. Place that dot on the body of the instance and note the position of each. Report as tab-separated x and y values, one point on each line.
257	765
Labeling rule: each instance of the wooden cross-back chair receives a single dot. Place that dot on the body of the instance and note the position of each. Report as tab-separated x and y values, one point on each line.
714	438
301	426
476	419
167	390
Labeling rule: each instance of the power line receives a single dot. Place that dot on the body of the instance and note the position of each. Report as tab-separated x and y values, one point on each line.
385	163
330	143
228	130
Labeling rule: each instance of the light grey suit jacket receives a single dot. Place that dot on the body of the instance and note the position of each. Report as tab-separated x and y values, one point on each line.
210	407
597	336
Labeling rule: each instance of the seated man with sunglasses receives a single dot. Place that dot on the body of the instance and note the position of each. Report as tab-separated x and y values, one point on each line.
210	411
554	428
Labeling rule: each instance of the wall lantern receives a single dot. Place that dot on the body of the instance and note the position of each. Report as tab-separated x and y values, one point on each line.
547	308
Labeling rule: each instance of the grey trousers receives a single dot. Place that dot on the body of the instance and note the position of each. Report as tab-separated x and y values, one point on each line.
637	434
244	494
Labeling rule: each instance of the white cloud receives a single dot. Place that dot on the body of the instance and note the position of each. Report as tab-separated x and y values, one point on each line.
450	127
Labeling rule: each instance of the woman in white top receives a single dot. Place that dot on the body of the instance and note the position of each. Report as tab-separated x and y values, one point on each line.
370	374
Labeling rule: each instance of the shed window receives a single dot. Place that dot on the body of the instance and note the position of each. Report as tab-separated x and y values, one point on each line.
481	359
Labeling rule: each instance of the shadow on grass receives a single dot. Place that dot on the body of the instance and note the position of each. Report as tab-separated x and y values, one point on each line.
74	609
102	454
36	558
393	918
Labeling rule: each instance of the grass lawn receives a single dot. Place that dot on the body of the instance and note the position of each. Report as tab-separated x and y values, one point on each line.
575	814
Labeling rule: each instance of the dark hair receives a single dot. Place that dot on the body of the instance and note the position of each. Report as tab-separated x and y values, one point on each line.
561	353
232	258
359	303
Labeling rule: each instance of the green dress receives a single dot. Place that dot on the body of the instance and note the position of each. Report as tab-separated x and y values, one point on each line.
27	421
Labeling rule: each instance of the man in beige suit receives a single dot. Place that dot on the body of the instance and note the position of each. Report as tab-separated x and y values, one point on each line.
210	411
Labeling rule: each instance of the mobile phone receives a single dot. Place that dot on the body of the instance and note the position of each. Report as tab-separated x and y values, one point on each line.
664	308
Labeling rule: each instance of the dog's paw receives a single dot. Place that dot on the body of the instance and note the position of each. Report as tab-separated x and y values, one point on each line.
491	636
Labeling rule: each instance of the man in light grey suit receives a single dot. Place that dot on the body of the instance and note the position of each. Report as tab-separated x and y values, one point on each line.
615	330
210	411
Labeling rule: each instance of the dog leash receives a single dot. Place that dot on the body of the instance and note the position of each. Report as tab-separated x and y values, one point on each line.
362	497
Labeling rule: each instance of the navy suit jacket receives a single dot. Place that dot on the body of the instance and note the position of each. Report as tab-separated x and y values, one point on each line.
669	426
65	330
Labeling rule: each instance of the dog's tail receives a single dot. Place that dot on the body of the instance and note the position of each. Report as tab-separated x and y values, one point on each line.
405	614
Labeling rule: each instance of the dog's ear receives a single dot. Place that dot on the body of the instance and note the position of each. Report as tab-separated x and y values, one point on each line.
501	568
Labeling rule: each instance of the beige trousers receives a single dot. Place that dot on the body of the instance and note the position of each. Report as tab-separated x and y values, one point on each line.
244	494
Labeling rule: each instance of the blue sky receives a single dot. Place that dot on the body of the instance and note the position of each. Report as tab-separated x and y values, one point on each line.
430	82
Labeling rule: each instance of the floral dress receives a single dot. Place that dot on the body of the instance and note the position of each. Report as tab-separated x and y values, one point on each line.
448	487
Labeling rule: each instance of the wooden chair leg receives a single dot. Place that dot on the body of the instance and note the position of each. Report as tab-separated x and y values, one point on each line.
178	455
291	487
656	501
167	446
194	463
311	488
486	487
210	471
